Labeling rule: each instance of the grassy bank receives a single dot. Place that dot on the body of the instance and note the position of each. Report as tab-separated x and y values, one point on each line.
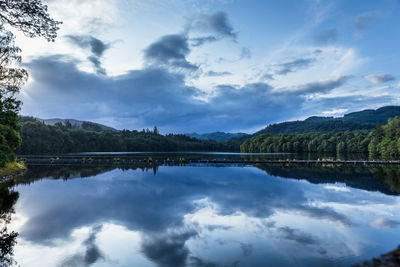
11	169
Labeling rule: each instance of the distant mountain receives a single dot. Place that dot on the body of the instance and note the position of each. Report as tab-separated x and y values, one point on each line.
373	116
86	125
217	136
361	120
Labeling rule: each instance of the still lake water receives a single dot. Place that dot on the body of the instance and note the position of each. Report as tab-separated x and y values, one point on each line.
202	215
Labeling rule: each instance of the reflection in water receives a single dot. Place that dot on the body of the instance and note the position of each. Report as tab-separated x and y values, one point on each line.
7	239
205	216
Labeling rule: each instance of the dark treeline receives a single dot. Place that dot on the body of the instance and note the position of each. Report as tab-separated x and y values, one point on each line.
38	138
330	142
383	141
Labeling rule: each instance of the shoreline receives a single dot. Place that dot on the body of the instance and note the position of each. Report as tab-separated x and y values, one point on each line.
10	171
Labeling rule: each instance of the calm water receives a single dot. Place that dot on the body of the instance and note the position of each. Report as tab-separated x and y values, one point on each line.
201	215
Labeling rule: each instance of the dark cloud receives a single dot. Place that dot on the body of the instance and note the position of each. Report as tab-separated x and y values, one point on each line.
215	26
198	41
322	86
154	96
324	214
199	262
169	250
217	73
363	22
326	36
170	50
219	23
149	97
91	255
97	65
292	66
297	236
96	47
379	78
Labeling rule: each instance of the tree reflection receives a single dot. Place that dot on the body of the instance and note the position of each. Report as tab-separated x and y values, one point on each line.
7	239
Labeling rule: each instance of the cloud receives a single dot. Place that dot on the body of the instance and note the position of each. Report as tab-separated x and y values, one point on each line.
217	73
379	78
297	236
198	41
148	97
381	222
363	22
245	53
170	50
324	214
267	76
321	86
168	250
92	252
95	46
219	23
156	96
216	26
326	36
97	65
292	66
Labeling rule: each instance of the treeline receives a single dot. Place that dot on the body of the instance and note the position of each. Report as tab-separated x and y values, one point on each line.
38	138
312	125
383	141
9	126
331	142
361	120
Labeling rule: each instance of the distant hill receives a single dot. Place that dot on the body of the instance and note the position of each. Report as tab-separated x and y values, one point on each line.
361	120
217	136
86	125
373	116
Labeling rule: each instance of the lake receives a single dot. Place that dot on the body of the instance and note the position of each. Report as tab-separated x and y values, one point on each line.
200	215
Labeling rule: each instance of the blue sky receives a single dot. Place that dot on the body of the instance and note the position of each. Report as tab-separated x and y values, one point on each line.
212	65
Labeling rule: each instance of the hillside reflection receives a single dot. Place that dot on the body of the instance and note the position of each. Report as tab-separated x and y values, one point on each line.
371	178
205	215
8	198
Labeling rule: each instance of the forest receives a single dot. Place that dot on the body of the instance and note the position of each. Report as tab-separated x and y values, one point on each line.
39	138
382	142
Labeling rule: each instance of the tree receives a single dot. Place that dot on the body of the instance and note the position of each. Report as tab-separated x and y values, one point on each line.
30	17
155	130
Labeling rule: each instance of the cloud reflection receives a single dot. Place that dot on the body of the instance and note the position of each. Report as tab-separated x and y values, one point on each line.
159	207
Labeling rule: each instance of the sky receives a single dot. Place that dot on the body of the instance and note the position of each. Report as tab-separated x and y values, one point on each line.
212	65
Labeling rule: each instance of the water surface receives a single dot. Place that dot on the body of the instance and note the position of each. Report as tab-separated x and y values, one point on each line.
203	215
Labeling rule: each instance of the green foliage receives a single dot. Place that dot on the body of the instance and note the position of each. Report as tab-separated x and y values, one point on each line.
11	79
31	18
361	120
382	142
385	140
38	138
329	142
